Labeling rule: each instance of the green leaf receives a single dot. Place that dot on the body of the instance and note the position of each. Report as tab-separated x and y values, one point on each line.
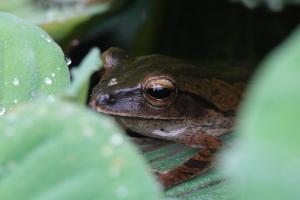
12	4
61	18
78	90
30	62
64	151
163	155
265	161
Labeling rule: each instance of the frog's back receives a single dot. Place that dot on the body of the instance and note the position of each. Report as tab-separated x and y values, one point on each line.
227	71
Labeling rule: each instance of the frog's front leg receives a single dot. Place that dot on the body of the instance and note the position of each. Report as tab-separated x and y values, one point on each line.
197	164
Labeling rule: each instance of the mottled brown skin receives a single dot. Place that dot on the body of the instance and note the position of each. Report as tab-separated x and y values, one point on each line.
201	109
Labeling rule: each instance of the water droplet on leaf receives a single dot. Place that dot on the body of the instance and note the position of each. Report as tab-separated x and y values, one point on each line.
48	39
16	81
2	110
116	139
68	60
48	81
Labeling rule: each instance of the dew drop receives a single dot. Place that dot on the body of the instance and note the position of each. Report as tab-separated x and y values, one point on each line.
16	100
48	40
68	60
53	74
2	110
16	81
48	81
116	139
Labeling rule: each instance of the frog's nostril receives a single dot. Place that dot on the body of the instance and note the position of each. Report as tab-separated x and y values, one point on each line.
104	99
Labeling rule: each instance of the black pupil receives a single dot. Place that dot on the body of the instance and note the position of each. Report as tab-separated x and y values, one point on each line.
159	92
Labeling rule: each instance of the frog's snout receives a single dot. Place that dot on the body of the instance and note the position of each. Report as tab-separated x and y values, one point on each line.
104	99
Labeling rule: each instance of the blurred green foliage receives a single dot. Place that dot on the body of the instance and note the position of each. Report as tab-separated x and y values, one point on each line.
62	19
78	91
164	155
52	148
264	163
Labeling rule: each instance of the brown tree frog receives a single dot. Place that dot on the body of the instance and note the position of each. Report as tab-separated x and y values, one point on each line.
166	98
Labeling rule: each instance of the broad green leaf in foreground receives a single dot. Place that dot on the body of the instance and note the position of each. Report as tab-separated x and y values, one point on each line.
265	162
62	151
30	62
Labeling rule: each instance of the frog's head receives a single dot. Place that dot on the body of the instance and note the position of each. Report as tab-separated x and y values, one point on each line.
144	87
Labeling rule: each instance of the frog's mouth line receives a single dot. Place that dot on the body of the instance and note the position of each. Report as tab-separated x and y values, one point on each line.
103	110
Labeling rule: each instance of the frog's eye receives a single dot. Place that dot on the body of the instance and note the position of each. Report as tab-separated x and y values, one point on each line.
160	92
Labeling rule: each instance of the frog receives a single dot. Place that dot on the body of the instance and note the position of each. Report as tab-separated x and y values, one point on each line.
166	98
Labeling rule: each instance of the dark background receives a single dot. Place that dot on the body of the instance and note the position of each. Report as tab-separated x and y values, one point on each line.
206	30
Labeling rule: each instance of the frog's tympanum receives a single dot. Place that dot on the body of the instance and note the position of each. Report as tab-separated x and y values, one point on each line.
166	98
